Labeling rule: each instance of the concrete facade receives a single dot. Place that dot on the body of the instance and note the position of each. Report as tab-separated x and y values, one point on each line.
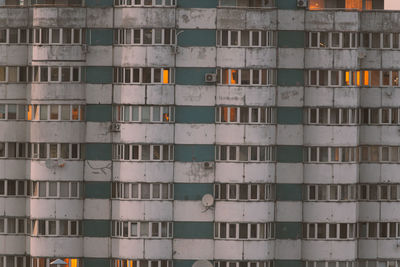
110	134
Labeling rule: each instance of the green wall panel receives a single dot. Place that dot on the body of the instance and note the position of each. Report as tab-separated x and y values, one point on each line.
290	77
194	114
193	230
291	39
197	37
96	228
99	75
290	154
194	153
192	76
290	115
99	3
183	263
100	190
98	113
99	36
289	192
288	263
191	191
96	262
288	230
197	3
98	151
286	4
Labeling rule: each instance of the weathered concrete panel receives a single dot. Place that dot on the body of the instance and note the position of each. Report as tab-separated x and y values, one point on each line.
331	135
251	96
99	17
328	212
14	55
333	250
55	91
291	20
144	18
200	56
204	18
195	95
319	20
52	52
292	58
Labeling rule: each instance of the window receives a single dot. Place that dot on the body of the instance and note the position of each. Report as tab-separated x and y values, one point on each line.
333	40
331	154
258	231
330	192
164	3
256	115
248	192
232	263
328	230
144	36
144	75
128	229
330	263
143	263
56	227
45	262
125	113
238	38
245	153
153	191
246	76
136	152
246	3
63	189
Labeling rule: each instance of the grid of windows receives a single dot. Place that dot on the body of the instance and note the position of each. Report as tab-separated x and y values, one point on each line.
379	192
252	115
379	263
45	262
363	78
130	229
248	192
141	263
42	150
330	192
41	112
59	189
14	188
329	231
14	225
159	3
142	191
269	263
245	153
128	75
43	74
246	3
246	38
246	76
330	264
332	116
15	261
144	36
231	230
143	152
125	113
50	227
53	36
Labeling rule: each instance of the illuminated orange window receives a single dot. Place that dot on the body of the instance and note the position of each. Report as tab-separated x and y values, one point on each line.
29	115
354	4
224	113
234	75
165	76
316	4
233	114
356	78
347	78
75	112
368	4
365	77
74	262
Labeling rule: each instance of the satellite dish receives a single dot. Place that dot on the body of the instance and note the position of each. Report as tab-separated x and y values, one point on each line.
58	261
207	200
202	263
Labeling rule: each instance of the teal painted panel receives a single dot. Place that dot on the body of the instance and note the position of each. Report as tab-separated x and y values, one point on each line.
192	76
197	3
291	39
290	154
100	36
192	114
96	262
290	115
286	4
191	191
197	37
193	230
98	113
99	74
289	192
288	230
183	263
288	263
98	3
290	77
194	153
96	228
101	190
98	151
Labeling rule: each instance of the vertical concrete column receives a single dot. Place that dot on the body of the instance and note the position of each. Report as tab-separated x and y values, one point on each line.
194	131
289	169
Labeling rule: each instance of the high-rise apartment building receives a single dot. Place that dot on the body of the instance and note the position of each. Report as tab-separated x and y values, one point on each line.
157	133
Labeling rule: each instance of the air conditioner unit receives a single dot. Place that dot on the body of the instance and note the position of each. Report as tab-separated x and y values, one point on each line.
210	77
302	3
208	165
115	127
